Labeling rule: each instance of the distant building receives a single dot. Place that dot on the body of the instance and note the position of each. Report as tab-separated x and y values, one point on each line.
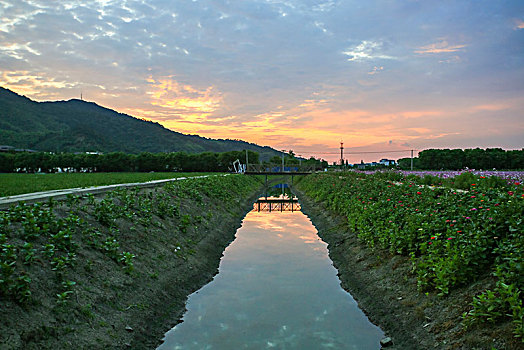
25	150
5	148
98	153
382	162
387	162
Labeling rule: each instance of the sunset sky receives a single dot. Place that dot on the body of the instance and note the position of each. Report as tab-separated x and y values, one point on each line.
383	75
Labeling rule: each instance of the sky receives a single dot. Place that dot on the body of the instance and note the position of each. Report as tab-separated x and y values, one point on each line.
384	76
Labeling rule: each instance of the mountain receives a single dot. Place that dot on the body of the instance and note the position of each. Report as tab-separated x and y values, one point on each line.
80	126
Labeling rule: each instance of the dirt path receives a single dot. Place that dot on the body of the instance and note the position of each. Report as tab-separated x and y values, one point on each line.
6	202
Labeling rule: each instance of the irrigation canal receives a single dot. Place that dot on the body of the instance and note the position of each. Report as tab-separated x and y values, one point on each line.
276	289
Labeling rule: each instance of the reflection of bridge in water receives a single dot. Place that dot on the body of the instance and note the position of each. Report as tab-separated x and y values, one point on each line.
277	204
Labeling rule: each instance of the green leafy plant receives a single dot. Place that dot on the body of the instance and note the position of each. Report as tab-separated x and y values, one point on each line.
452	237
127	259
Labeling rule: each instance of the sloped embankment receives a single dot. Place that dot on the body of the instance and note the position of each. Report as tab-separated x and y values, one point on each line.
113	270
404	251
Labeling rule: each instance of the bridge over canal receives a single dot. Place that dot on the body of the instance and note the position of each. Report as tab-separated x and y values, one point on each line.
273	169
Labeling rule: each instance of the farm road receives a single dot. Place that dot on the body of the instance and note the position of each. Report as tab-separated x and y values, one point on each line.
6	202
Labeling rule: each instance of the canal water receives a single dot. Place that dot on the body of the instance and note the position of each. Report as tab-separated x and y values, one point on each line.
276	289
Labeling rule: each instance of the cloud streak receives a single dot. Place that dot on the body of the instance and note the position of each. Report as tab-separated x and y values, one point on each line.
366	50
441	46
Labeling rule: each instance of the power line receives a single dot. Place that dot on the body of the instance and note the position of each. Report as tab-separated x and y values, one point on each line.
365	152
406	150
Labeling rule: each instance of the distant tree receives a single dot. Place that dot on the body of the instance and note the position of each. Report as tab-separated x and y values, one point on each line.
477	158
24	162
275	160
7	164
254	157
64	160
147	161
88	162
115	162
226	159
494	158
515	159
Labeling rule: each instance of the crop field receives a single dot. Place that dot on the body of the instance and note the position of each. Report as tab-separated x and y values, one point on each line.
64	259
13	184
452	236
509	175
32	233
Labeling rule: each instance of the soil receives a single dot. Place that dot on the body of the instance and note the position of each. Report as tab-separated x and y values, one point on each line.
386	290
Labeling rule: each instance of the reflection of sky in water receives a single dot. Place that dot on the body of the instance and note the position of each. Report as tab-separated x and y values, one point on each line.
277	289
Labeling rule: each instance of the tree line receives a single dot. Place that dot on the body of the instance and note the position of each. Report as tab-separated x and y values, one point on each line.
31	162
456	159
290	160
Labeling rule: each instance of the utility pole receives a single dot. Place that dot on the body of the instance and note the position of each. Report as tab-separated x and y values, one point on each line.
341	154
283	151
411	159
247	161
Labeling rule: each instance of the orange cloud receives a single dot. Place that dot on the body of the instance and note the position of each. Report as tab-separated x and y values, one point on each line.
183	99
422	131
312	103
519	24
376	70
419	114
439	47
489	107
441	135
314	122
31	85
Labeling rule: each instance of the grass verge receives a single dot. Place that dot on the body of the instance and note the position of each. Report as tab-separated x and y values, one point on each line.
14	184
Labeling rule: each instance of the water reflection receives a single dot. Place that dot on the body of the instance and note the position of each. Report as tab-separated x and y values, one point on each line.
277	198
278	190
280	203
276	288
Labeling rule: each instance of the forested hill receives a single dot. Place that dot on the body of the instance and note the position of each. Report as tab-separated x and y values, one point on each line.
79	126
